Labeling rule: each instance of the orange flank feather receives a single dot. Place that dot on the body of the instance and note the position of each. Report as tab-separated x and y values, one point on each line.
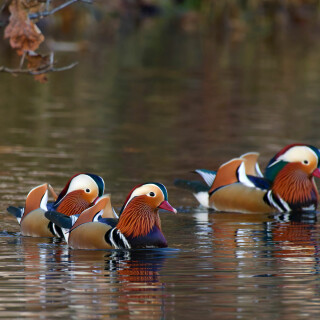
133	224
251	159
34	198
226	174
301	187
89	214
53	193
107	209
73	203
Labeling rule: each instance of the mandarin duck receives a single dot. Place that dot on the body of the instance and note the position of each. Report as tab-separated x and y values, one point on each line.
79	193
238	185
138	225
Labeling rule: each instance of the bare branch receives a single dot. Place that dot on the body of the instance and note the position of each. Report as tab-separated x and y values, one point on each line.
45	69
4	5
39	15
70	66
3	22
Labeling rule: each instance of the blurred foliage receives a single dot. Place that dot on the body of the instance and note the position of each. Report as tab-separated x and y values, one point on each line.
242	17
77	26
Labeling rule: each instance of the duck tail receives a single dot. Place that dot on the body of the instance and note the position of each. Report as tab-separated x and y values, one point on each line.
207	175
17	212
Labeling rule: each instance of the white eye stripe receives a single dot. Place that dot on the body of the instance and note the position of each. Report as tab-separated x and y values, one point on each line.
141	191
83	182
298	154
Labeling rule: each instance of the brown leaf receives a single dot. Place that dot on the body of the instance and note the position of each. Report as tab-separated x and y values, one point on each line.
33	5
24	35
38	62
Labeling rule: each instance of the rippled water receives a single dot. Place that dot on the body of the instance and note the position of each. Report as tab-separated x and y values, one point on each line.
154	105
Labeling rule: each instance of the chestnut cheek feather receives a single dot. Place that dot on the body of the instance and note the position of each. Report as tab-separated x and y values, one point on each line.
295	187
73	203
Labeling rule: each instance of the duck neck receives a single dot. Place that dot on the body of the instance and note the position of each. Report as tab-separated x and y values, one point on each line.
138	219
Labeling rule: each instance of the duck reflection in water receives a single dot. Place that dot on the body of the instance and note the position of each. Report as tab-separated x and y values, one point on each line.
243	239
131	278
237	238
101	282
137	266
294	236
296	253
246	246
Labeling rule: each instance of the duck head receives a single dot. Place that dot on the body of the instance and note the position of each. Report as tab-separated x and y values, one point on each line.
80	192
291	173
139	215
303	157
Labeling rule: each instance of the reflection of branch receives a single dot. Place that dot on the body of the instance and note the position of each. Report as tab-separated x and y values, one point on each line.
45	69
4	5
39	15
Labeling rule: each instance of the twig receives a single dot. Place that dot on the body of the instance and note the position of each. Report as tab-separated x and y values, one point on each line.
22	59
39	15
45	69
48	5
51	57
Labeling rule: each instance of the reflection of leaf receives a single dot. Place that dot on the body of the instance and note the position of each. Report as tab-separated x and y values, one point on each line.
38	62
42	78
24	35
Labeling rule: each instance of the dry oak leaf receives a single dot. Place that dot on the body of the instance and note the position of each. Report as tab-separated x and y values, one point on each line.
32	5
24	35
38	62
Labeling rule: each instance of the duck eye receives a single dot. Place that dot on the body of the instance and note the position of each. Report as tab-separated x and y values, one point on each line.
305	161
152	194
87	190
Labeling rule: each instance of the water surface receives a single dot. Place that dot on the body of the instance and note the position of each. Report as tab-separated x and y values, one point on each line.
152	105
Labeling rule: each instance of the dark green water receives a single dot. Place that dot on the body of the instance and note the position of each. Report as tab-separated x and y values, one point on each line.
153	105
